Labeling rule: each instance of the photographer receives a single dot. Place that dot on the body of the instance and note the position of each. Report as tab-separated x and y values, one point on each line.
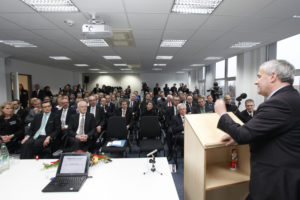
215	92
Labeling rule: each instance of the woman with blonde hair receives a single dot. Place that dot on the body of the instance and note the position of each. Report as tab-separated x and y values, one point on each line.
11	128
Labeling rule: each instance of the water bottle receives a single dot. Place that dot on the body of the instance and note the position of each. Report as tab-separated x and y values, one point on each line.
5	157
1	163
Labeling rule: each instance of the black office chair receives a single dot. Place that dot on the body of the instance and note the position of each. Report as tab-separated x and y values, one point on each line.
150	135
178	144
116	130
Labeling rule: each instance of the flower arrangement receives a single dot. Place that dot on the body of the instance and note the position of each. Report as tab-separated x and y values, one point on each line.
94	158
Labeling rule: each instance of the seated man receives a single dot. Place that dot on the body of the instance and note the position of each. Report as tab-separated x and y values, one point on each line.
177	126
200	107
43	129
247	114
82	130
210	104
126	112
98	113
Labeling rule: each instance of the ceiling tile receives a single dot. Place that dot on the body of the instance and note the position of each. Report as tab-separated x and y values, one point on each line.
185	22
147	21
146	6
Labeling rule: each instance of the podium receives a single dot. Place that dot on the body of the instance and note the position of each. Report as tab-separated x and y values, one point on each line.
207	173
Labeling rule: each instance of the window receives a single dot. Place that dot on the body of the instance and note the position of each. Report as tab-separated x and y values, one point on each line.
220	69
288	49
297	83
232	66
201	81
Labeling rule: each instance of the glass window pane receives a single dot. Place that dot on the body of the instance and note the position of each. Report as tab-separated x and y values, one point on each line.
232	65
220	69
297	83
288	49
231	89
203	73
201	88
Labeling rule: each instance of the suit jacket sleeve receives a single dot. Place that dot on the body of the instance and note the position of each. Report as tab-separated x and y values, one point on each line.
177	125
272	119
72	126
92	126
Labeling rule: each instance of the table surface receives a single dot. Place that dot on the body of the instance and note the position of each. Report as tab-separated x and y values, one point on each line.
121	179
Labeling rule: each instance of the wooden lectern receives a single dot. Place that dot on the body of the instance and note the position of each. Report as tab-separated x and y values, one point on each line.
207	173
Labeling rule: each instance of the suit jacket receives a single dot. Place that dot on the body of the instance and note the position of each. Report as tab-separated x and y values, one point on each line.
197	109
39	95
210	107
189	108
169	115
22	113
274	138
135	109
110	108
100	116
89	125
245	117
128	116
177	124
12	126
52	127
70	112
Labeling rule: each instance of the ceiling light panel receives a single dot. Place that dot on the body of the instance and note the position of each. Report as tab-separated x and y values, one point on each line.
172	43
59	58
195	6
125	69
52	5
197	65
81	65
213	58
159	64
164	57
95	43
157	69
180	72
94	69
112	57
242	45
120	64
17	43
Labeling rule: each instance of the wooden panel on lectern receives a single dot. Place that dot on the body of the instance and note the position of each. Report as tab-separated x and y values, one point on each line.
207	173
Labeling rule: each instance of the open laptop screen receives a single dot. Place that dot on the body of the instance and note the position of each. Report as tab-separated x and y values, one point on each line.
73	164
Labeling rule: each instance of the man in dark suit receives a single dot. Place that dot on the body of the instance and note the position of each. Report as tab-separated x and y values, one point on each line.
273	134
64	116
166	90
210	104
134	105
23	96
98	113
38	93
110	106
126	112
96	89
247	114
189	104
82	130
174	89
200	107
20	112
156	90
43	130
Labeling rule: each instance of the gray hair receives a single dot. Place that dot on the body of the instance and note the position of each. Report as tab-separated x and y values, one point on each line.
81	102
170	96
284	70
181	105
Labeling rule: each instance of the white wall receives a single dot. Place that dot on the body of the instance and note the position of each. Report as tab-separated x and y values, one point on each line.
41	74
3	84
115	80
135	80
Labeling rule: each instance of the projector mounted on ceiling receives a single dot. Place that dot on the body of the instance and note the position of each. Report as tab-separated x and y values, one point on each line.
96	29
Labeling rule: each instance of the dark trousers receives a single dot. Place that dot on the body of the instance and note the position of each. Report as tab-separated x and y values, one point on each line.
73	144
34	147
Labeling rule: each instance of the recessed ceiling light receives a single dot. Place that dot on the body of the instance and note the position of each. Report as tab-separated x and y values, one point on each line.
296	16
112	57
243	45
159	64
197	65
52	5
103	72
180	72
186	69
81	65
172	43
59	58
213	58
164	57
94	43
195	6
17	43
120	64
157	69
125	69
94	69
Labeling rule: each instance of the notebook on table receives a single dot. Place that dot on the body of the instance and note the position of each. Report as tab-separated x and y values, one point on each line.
71	173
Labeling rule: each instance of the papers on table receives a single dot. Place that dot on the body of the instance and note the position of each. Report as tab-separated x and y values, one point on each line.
116	143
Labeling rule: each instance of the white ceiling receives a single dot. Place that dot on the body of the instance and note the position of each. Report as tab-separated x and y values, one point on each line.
150	21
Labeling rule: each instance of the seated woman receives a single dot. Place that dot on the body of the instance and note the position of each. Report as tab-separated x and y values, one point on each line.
152	111
11	128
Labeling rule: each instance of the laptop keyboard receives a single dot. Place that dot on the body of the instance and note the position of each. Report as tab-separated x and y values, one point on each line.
75	181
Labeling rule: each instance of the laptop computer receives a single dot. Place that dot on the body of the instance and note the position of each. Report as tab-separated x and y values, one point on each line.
71	173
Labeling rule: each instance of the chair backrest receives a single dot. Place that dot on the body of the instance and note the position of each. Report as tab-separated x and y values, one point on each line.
116	127
150	126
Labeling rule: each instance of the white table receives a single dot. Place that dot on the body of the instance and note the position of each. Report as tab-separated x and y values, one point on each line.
120	179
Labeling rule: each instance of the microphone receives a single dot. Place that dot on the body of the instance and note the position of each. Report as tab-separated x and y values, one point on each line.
151	153
242	96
